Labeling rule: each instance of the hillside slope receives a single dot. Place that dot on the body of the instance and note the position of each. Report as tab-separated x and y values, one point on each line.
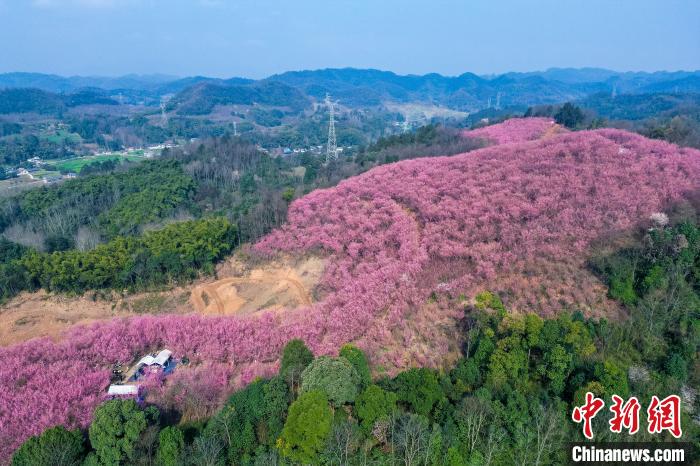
403	242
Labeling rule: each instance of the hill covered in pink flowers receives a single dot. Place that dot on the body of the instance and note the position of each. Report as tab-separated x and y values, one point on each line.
405	244
516	130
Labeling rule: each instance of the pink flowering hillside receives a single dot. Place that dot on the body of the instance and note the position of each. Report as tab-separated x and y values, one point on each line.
516	130
399	240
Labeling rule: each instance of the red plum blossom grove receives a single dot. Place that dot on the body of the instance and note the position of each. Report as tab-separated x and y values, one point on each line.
518	217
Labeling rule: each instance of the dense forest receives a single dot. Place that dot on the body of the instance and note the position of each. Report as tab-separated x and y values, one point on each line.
506	401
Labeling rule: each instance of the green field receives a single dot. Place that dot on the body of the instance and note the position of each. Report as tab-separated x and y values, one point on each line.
77	163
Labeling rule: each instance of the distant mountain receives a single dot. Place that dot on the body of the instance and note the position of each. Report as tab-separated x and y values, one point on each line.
29	101
567	75
154	83
201	98
173	87
131	81
358	87
600	75
465	92
21	100
45	82
639	106
59	84
687	84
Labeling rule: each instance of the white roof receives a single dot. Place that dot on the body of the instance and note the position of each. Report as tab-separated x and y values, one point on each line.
163	357
123	390
160	359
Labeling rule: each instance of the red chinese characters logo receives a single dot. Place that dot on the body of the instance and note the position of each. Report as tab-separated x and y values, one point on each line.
587	412
665	415
625	415
661	414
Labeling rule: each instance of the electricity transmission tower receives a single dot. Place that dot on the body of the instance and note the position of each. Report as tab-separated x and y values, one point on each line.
331	146
163	114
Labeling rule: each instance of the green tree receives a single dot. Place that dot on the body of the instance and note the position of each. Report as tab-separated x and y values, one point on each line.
418	388
435	453
336	377
239	420
613	378
372	404
677	367
556	368
115	431
307	427
569	115
276	400
454	457
508	365
288	194
295	357
358	359
171	444
466	375
54	447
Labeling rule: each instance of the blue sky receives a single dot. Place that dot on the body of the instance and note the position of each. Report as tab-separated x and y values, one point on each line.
255	38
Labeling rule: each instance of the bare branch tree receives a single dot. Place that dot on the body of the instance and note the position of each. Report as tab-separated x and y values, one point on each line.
472	416
410	438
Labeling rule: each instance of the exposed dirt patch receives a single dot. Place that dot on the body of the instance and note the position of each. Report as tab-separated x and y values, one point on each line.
250	289
239	287
39	314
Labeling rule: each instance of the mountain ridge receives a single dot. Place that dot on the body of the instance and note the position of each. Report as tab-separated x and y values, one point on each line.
356	87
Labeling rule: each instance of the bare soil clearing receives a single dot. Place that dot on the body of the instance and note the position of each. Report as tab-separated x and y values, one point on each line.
238	287
274	286
39	314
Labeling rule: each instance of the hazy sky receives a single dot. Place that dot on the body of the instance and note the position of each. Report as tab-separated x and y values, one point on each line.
255	38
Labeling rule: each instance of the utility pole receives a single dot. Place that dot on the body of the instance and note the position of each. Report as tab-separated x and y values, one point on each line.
331	146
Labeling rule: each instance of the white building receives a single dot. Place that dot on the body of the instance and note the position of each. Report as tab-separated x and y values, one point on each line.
123	390
160	360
